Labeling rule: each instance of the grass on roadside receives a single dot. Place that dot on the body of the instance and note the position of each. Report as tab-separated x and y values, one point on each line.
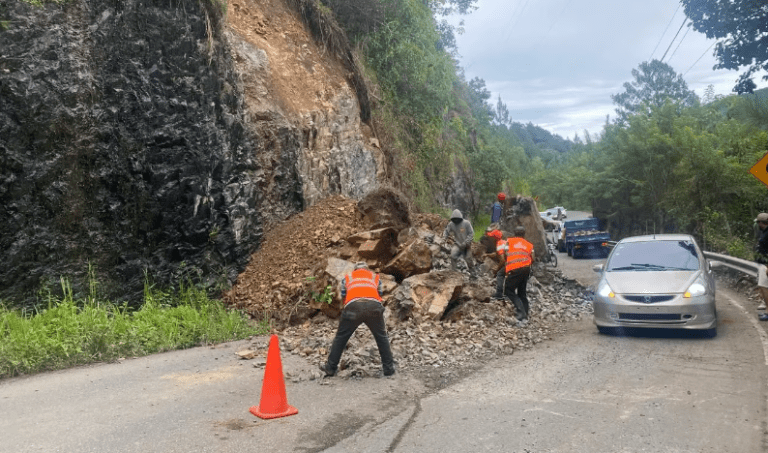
71	332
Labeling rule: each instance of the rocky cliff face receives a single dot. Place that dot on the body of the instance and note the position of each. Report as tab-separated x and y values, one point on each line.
164	136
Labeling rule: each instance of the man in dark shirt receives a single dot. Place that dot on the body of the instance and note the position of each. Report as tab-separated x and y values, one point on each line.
761	257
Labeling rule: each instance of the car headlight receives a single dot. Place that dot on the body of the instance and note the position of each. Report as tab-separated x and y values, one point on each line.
605	291
697	288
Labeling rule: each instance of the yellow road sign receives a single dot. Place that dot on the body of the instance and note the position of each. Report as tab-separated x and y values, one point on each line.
760	169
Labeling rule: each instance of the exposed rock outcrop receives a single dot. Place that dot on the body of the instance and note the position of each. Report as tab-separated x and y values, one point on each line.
164	136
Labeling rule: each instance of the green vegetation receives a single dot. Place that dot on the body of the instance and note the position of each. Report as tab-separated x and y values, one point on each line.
66	332
739	27
434	123
671	162
479	224
673	169
325	297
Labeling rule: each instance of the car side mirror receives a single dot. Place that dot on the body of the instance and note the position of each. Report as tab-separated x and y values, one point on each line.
597	268
713	264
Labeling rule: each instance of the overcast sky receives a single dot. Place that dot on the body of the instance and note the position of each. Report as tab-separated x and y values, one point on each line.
556	63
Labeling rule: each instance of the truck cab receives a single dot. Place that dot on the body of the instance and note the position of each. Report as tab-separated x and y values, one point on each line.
584	237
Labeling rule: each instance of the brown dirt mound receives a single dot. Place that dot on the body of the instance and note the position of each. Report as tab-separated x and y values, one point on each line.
280	278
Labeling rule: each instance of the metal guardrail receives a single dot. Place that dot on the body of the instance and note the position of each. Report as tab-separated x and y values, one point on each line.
716	260
738	264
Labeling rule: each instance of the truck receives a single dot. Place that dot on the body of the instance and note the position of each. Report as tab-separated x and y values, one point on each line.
584	237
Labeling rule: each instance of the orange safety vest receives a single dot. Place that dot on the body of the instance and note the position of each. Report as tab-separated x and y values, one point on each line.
361	283
501	247
519	254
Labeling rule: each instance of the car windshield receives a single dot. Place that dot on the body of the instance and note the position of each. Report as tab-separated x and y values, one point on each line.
654	256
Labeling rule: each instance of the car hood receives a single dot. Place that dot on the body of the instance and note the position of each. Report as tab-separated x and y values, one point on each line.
650	282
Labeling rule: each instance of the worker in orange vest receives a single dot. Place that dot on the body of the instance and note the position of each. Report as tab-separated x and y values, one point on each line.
519	256
362	305
500	274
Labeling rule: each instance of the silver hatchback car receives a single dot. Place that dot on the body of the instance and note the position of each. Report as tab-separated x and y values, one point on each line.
656	281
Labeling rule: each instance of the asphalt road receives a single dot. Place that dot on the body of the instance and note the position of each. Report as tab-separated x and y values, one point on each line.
580	392
587	392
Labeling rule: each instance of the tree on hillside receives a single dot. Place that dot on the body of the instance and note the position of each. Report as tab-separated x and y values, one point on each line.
359	17
478	96
745	85
742	28
709	94
502	113
449	7
655	83
448	31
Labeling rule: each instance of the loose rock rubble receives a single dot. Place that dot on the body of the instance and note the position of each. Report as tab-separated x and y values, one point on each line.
460	329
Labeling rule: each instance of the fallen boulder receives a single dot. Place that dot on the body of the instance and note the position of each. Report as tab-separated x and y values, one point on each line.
385	207
428	294
415	258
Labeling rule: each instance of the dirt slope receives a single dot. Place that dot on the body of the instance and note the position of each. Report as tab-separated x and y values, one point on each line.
279	279
302	76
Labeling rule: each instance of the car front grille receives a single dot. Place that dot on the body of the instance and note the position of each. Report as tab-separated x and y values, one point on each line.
650	316
648	299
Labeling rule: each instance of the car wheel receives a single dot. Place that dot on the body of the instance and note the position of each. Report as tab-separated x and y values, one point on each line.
711	333
605	330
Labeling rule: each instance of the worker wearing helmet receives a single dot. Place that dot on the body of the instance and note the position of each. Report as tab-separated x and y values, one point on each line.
463	234
498	208
519	256
497	236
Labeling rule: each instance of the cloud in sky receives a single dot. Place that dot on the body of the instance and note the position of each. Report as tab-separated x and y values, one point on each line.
556	63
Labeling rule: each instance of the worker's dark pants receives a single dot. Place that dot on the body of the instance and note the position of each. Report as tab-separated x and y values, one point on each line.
362	311
514	289
500	283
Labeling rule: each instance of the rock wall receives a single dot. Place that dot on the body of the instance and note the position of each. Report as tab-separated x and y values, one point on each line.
458	192
150	136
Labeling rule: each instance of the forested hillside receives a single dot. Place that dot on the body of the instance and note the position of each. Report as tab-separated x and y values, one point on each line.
433	120
668	161
673	169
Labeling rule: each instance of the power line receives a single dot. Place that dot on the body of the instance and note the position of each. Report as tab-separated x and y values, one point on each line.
563	10
521	13
702	55
516	16
673	39
678	44
665	32
513	15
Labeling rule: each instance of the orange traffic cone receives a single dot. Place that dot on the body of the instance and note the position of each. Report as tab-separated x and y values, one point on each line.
274	402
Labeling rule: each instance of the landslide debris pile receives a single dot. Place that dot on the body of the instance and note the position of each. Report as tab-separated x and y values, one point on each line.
280	276
435	317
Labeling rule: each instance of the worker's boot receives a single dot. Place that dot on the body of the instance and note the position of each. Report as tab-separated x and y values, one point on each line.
327	370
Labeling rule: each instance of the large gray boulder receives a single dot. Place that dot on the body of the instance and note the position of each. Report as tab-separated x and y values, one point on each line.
427	295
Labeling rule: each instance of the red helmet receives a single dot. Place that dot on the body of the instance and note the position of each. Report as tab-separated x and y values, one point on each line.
495	234
501	196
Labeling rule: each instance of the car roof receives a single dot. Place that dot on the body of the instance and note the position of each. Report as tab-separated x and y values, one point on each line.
659	237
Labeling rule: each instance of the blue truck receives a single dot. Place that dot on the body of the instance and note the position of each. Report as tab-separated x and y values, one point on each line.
584	237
